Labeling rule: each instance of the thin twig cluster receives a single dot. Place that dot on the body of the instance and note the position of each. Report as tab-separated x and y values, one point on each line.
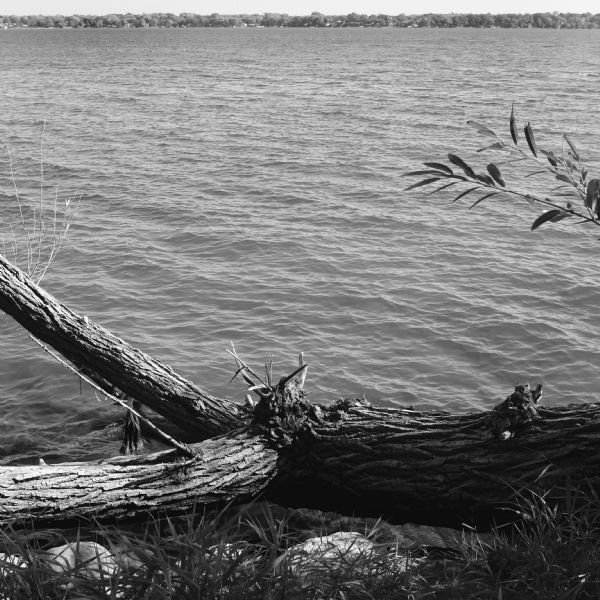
33	242
265	388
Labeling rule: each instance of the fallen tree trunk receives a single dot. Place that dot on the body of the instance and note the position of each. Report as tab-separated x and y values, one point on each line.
434	467
429	467
108	359
348	457
235	466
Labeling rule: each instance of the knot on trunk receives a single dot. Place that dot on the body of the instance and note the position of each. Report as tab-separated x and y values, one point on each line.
283	415
517	412
340	408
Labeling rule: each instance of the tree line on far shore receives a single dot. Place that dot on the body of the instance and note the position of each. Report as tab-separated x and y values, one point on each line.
546	20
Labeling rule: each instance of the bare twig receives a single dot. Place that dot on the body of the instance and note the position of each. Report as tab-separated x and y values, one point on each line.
302	369
242	366
302	377
40	240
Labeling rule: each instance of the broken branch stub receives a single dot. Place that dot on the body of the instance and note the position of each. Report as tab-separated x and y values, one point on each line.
517	413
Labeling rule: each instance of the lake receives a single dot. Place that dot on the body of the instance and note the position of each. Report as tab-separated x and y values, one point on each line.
248	185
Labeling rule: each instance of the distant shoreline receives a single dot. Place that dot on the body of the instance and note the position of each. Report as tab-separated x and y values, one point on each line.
187	20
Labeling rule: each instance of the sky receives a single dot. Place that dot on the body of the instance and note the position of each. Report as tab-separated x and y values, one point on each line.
292	7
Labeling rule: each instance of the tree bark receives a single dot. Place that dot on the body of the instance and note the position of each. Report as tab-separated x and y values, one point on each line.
435	467
235	466
428	467
348	457
106	358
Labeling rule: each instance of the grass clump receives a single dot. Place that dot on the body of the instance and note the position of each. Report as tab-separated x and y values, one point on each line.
208	556
33	237
251	553
554	550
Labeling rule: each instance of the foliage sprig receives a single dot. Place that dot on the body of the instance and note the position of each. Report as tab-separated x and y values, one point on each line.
575	195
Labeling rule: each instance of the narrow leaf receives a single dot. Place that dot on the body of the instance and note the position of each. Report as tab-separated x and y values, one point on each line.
424	172
560	187
462	164
485	178
496	146
530	139
592	193
534	173
564	178
513	126
481	128
483	198
572	146
545	470
553	160
439	167
571	193
421	183
571	164
494	171
443	187
462	194
545	217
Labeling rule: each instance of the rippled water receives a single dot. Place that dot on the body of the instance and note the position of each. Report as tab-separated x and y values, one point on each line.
248	185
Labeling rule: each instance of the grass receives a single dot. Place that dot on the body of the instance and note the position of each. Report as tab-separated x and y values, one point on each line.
209	556
34	238
552	552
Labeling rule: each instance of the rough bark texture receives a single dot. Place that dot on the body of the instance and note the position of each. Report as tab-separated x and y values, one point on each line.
107	358
349	457
234	466
433	466
356	459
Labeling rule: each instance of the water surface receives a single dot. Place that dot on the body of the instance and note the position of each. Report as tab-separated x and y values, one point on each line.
248	185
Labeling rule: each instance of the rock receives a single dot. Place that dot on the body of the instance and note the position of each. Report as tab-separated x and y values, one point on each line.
10	562
9	566
348	556
83	559
333	553
131	561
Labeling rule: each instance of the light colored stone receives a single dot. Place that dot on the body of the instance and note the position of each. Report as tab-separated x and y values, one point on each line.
11	562
333	553
83	559
131	561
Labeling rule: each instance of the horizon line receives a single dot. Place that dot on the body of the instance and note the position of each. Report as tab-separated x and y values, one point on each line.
254	14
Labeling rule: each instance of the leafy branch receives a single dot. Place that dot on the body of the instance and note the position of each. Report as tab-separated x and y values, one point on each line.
574	196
